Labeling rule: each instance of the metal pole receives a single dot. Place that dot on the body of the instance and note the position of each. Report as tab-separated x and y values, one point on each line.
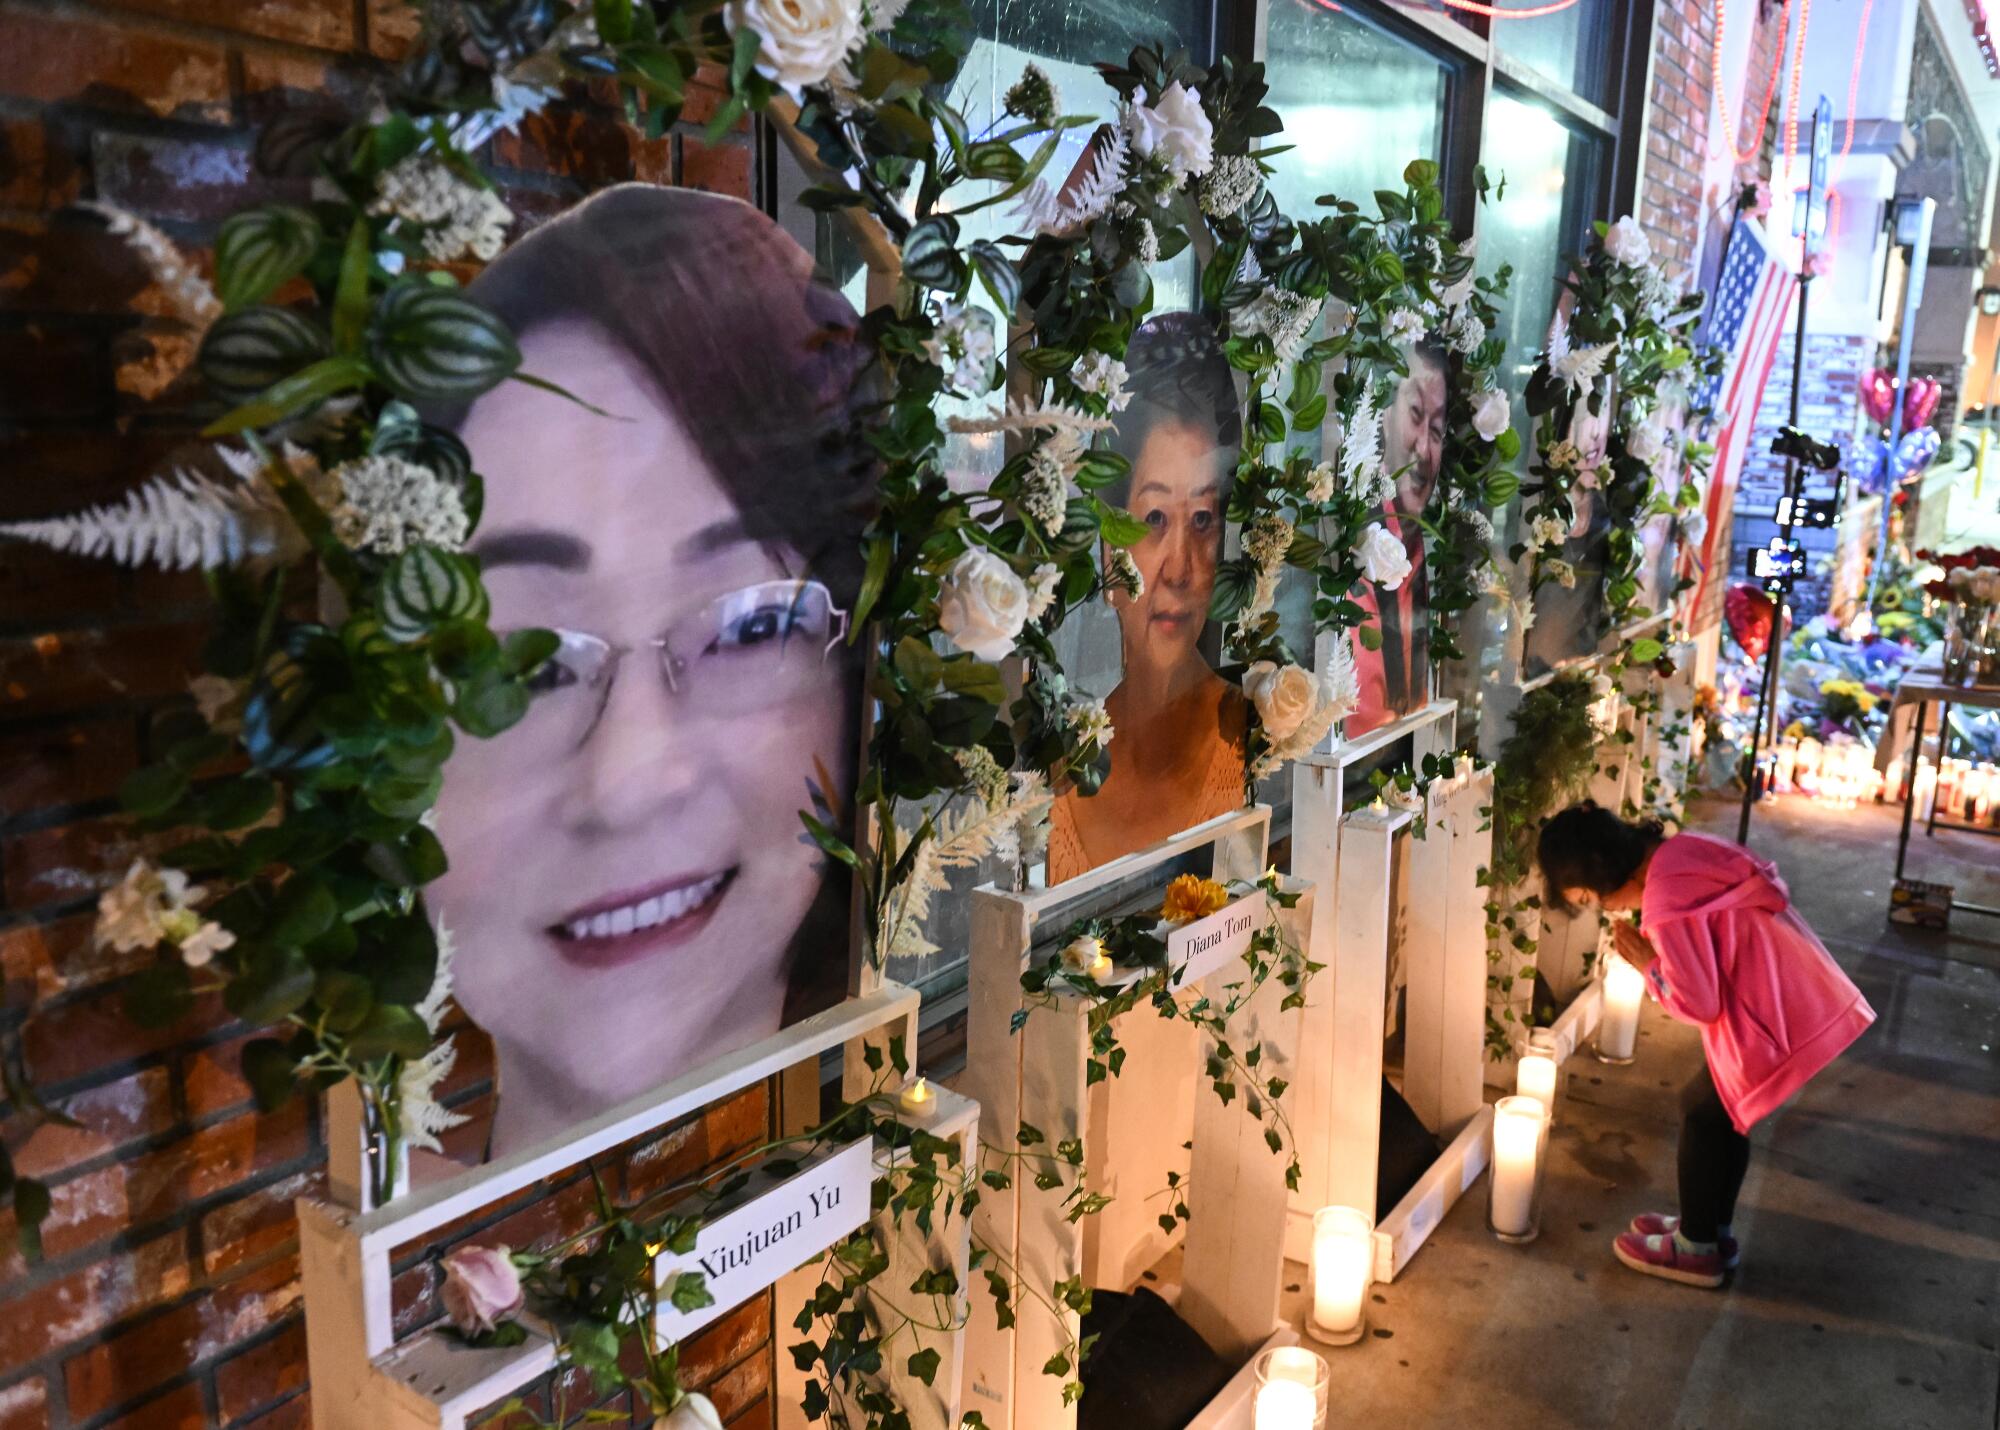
1913	297
1767	695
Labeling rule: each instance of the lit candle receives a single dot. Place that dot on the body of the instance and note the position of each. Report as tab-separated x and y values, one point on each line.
1517	1157
1892	781
1343	1261
1618	1026
1926	791
1535	1076
918	1099
1102	969
1285	1405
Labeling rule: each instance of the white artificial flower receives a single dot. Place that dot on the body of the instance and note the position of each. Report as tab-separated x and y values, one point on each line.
982	605
1563	456
387	504
1263	593
1091	722
1405	325
1482	527
1177	129
1454	296
1266	538
136	912
1648	443
1548	531
963	343
1579	368
1694	527
1230	184
1491	415
1279	314
1361	448
1147	248
1043	583
1383	559
1627	242
1044	494
1103	376
1560	572
201	946
1125	575
695	1412
1320	483
458	217
1081	953
1284	695
1467	332
799	41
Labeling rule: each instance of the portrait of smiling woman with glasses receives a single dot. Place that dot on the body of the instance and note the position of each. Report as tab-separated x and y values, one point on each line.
631	890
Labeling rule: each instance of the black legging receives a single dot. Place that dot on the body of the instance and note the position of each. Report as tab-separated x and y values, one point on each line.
1714	1157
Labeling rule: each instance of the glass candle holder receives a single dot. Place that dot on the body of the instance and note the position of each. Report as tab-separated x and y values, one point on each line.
1618	1025
1343	1268
1538	1074
1291	1389
1514	1186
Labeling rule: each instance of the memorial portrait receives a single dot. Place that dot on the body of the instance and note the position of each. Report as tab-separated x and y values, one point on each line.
1176	756
1569	612
1395	673
631	891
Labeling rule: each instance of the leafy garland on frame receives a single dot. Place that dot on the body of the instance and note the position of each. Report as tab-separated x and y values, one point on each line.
1621	332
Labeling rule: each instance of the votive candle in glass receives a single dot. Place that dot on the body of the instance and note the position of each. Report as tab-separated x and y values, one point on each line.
1618	1025
1514	1199
1293	1365
1537	1073
1343	1267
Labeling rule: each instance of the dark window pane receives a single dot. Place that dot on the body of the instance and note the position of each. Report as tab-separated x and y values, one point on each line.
1357	102
1573	47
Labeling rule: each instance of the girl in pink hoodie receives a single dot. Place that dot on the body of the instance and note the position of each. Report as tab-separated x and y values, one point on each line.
1721	947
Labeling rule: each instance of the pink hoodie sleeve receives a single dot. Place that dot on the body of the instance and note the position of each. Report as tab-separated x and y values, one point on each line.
1686	977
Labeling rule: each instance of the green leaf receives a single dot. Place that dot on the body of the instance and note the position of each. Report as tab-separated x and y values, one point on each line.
976	680
1119	527
996	271
291	396
929	256
350	297
159	995
1647	650
271	1072
275	983
31	1209
1308	417
743	57
260	249
832	843
690	1292
614	20
390	1028
153	790
303	910
924	1365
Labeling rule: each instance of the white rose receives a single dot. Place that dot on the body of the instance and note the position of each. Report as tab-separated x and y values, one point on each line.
1405	325
1178	130
1081	953
983	605
1647	442
1694	526
1492	415
1383	559
1283	694
696	1412
800	41
1627	242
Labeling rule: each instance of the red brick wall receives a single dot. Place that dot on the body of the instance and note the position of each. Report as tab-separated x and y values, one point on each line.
1673	208
169	1296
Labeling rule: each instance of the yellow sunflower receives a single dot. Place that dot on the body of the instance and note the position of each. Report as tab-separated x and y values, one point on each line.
1190	898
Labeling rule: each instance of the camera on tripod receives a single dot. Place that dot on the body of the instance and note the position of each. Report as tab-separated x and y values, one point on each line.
1791	442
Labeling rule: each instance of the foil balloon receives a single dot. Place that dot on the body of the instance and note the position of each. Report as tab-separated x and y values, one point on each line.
1867	463
1920	400
1878	394
1748	611
1916	451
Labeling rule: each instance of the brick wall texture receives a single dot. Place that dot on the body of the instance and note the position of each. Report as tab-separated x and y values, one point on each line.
169	1293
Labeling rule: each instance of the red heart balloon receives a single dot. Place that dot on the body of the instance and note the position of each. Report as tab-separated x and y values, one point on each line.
1748	611
1878	394
1920	400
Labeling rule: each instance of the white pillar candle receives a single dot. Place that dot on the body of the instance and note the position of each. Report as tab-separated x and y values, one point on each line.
1286	1405
1787	756
1618	1025
1517	1154
1926	790
1535	1076
1343	1263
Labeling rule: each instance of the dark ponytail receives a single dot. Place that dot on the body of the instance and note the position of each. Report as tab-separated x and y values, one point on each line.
1586	847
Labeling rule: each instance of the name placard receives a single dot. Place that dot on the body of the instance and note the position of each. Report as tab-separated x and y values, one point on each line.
773	1226
1208	944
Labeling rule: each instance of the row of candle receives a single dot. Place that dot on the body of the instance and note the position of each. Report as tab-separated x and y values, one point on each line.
1841	775
1954	788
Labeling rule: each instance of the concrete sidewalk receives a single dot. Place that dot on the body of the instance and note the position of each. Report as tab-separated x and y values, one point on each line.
1870	1289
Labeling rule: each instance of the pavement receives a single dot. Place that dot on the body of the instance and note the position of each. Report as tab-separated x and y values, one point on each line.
1869	1294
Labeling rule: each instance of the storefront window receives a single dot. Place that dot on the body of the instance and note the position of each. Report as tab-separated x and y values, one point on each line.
1573	47
1358	104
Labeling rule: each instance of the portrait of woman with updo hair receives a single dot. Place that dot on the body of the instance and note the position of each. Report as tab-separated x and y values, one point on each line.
631	890
1177	748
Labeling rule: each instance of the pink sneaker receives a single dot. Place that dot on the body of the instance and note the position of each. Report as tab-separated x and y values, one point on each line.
1659	1256
1666	1224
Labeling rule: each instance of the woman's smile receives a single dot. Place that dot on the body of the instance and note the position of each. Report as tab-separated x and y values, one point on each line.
626	926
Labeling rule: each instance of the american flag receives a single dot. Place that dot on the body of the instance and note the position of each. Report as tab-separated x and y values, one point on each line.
1746	315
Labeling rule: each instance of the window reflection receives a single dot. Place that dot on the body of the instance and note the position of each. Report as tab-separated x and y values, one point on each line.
1572	47
1357	102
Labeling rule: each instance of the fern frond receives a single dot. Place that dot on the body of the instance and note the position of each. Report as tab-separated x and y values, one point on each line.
178	522
960	839
188	293
424	1118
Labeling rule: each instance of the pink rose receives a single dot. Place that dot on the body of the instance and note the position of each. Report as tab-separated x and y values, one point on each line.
481	1288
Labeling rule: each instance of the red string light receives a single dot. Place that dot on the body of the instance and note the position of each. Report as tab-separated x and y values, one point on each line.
1798	75
1854	76
1742	156
1495	12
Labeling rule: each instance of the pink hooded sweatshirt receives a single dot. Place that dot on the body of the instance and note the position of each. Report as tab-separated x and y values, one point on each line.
1737	960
